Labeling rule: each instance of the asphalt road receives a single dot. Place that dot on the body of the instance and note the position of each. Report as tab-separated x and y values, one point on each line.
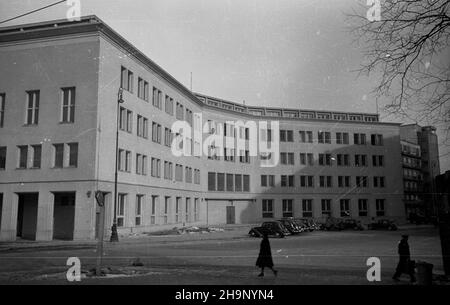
225	258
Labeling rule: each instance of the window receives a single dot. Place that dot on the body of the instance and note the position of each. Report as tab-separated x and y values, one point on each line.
230	182
286	136
326	207
238	183
287	158
359	138
246	183
179	114
3	151
307	207
2	109
177	209
306	159
380	207
141	164
188	174
169	105
378	160
59	155
325	181
125	119
344	181
342	138
188	209
126	79
168	168
142	127
68	105
376	139
306	136
211	181
196	209
287	208
306	181
325	159
362	207
138	209
196	176
156	132
361	181
178	172
343	160
287	180
124	160
156	168
360	160
221	182
73	154
345	207
165	214
37	155
153	210
121	210
378	181
157	98
268	180
32	115
324	137
23	156
142	89
267	208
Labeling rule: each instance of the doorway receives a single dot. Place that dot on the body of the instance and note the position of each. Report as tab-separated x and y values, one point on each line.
64	215
231	219
27	215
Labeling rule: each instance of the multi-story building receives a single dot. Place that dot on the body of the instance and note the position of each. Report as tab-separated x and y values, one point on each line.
59	113
420	142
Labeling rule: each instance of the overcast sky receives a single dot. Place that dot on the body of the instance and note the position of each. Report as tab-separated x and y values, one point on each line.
287	53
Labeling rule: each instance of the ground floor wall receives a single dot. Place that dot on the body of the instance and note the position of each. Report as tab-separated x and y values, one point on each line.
69	210
250	210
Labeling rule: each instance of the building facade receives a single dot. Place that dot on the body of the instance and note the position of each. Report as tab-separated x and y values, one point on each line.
59	113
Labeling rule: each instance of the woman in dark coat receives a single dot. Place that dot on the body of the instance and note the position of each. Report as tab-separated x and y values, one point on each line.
265	256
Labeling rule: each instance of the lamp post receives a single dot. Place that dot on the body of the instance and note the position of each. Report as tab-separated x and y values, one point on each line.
114	235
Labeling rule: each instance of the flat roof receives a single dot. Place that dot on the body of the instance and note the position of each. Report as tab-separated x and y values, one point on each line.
93	24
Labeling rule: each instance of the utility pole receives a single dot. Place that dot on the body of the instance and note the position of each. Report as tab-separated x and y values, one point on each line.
114	235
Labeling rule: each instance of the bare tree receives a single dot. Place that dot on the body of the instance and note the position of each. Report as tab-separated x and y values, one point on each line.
409	47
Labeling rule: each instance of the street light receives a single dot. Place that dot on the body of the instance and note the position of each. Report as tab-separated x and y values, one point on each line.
114	235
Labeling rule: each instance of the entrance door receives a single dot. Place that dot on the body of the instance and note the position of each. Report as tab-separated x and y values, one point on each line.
231	215
64	215
98	214
27	215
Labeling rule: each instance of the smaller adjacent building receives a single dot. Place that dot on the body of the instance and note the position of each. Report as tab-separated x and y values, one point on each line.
412	177
443	192
420	161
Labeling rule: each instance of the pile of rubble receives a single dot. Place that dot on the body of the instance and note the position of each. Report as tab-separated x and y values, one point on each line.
187	230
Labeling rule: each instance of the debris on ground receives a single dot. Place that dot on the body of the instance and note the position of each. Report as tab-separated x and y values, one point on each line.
186	230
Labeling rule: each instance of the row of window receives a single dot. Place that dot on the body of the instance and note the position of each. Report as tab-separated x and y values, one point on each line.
125	165
324	181
191	213
67	108
30	156
288	158
222	182
307	207
127	83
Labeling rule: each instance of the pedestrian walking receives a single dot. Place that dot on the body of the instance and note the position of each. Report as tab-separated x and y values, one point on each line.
265	256
405	265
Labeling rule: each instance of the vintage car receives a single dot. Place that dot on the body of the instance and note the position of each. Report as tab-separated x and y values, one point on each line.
352	224
382	224
271	228
290	224
333	224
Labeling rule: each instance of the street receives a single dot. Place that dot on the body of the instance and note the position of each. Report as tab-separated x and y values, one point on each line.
223	258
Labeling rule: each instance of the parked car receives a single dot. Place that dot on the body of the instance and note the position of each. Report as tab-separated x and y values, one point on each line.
333	224
292	227
301	225
382	224
309	224
353	224
271	228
